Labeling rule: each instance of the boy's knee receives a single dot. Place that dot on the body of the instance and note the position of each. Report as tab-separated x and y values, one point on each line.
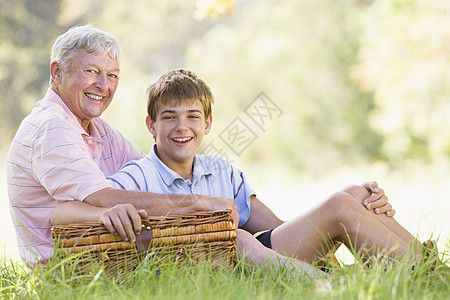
248	246
343	204
358	192
245	240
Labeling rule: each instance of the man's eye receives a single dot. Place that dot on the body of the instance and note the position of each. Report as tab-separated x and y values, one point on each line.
91	71
113	76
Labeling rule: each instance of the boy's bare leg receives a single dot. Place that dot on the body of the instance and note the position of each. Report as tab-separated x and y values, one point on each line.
360	194
249	248
339	218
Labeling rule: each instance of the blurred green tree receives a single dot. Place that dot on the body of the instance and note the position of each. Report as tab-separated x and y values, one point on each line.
27	31
405	62
356	80
300	54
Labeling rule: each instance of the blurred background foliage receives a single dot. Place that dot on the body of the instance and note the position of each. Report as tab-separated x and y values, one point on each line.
357	81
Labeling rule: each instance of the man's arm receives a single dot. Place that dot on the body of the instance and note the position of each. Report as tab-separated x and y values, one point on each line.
73	211
261	217
160	204
121	210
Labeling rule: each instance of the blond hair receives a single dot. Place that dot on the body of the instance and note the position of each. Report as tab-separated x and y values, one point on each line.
176	86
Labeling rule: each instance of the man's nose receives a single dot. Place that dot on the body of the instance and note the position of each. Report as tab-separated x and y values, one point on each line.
101	81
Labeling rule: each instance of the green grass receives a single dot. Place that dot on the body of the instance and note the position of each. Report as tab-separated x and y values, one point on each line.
382	280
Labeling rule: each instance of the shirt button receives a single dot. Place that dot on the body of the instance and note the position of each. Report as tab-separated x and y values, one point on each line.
89	141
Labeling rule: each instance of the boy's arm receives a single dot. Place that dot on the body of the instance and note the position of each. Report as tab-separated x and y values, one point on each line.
261	217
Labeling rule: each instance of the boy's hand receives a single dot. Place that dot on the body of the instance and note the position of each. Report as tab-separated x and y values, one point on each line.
377	201
124	220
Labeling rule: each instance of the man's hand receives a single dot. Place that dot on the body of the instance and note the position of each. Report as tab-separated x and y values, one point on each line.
124	220
377	201
207	203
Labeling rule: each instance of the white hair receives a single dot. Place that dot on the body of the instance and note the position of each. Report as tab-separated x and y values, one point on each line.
86	37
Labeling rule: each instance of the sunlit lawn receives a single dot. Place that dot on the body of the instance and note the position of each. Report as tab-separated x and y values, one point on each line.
382	280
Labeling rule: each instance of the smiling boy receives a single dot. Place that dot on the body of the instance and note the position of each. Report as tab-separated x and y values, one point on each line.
179	116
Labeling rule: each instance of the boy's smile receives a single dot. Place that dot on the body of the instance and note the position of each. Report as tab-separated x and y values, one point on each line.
178	130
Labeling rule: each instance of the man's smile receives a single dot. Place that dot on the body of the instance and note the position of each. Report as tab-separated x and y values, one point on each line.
94	97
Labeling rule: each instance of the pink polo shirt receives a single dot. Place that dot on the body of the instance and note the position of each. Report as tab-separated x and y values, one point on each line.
52	158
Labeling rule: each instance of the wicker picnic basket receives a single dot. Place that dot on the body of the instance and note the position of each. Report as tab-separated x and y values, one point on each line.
197	236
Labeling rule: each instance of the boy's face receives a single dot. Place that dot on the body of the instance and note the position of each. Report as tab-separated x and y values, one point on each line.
178	131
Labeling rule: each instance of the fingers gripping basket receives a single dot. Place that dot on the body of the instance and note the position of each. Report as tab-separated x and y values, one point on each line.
197	236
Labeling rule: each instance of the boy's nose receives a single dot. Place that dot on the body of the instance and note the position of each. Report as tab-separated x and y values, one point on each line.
182	124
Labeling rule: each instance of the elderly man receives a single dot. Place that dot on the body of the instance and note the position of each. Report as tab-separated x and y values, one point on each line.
63	149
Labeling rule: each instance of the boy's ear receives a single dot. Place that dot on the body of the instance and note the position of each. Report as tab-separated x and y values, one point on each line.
150	125
55	72
208	125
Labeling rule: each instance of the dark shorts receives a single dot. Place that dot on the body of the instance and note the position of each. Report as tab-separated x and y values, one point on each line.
264	238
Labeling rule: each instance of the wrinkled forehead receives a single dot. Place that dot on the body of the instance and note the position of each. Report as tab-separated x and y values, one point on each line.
101	59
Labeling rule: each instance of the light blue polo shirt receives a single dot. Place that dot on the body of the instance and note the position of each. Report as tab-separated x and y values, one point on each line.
212	176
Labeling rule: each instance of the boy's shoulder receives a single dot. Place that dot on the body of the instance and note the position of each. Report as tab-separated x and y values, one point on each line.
141	162
214	162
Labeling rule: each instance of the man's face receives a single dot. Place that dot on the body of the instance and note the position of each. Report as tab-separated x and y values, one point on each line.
179	131
88	85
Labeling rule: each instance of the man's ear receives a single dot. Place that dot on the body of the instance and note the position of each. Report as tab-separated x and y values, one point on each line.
55	72
150	125
208	125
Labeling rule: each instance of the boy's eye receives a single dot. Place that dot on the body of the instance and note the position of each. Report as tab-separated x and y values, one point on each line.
167	117
194	117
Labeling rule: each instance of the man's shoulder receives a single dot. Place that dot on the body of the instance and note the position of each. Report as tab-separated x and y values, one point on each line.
42	119
46	113
107	131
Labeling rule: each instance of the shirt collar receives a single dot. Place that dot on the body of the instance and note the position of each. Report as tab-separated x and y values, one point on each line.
200	169
169	176
54	98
